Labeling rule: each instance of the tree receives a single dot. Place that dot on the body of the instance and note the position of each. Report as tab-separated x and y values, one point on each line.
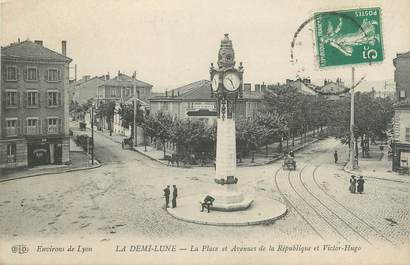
126	114
249	135
107	110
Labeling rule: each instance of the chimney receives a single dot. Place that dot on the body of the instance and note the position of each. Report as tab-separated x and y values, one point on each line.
247	87
18	40
166	92
64	47
119	72
107	76
86	77
134	74
39	42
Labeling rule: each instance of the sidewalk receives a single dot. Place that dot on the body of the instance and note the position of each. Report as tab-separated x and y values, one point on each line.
377	167
79	161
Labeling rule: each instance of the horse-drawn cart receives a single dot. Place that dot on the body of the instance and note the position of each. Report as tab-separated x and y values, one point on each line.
289	163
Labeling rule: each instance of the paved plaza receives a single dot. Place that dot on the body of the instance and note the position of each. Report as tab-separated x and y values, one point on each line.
124	198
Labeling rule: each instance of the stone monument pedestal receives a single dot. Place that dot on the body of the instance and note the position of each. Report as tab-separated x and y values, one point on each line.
228	198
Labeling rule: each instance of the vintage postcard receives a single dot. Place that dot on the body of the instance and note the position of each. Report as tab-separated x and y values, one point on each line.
204	132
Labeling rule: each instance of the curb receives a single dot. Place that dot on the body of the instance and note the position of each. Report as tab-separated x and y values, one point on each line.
50	173
370	177
248	165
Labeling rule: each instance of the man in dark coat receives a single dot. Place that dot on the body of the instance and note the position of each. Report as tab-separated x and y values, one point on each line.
336	157
167	192
360	185
174	196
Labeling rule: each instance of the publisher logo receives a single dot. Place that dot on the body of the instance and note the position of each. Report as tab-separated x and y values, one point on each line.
19	249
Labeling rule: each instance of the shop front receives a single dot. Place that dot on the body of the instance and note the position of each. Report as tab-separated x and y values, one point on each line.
44	152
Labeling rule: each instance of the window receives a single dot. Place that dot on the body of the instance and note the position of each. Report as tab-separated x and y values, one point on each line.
32	126
11	127
52	98
11	98
113	92
52	75
11	73
407	135
31	74
32	99
52	125
11	153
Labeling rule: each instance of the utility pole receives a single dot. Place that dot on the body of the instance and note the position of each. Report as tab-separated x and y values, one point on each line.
135	122
92	133
353	164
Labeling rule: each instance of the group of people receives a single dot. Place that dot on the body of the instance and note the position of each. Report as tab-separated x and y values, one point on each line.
167	193
356	184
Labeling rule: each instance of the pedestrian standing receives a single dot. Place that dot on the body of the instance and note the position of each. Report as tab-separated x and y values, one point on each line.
174	196
352	186
166	194
360	185
336	157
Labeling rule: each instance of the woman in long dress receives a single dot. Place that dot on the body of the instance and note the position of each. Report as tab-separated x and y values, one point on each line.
360	185
352	186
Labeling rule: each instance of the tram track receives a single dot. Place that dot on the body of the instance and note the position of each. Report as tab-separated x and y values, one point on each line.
289	203
380	234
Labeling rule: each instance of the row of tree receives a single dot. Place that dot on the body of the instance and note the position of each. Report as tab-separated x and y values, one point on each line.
283	115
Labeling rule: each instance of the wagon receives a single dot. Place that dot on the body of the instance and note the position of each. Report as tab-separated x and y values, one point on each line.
289	163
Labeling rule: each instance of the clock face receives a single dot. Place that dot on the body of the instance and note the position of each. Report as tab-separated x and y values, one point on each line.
215	82
231	81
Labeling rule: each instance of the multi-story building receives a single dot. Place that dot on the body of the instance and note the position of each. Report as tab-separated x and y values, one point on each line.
195	101
122	89
401	123
86	88
34	105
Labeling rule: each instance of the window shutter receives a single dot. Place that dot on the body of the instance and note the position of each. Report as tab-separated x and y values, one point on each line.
59	98
40	126
4	73
38	74
46	75
24	99
59	126
25	126
45	125
18	125
18	99
59	75
25	73
4	101
17	73
39	98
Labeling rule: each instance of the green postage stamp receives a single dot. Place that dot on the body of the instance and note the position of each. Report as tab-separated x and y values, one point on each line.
349	37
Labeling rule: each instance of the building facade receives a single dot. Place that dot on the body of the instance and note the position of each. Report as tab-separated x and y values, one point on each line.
401	123
86	88
194	101
123	89
34	123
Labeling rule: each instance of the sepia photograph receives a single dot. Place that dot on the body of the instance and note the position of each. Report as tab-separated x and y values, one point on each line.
204	132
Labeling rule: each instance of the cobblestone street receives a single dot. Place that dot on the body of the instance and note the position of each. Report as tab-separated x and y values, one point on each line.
124	199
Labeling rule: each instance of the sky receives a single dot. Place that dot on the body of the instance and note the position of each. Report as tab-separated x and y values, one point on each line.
172	43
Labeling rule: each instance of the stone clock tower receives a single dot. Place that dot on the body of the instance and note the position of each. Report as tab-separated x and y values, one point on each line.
227	87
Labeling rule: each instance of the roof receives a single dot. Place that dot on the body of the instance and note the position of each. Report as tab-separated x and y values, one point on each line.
403	55
83	81
30	50
199	90
125	80
333	88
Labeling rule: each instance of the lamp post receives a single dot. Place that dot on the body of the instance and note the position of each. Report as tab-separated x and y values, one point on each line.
135	122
